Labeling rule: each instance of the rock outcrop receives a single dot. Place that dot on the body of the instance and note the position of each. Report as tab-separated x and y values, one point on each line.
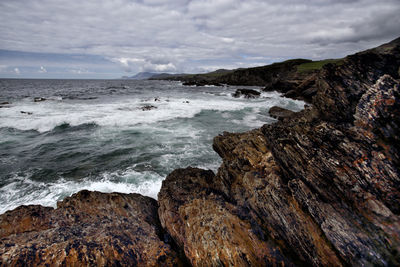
320	187
87	229
209	228
280	113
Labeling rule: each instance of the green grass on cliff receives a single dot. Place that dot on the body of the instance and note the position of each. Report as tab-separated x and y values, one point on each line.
317	65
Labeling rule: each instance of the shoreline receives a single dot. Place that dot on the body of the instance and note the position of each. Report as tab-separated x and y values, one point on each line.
319	187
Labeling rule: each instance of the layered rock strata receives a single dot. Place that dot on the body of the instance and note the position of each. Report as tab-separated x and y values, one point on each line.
87	229
320	187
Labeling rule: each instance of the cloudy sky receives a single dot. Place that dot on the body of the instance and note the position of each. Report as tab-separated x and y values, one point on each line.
112	38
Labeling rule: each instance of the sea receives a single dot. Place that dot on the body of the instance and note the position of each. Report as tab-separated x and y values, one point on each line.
58	137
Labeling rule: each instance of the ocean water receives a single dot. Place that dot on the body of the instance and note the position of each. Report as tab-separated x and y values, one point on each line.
94	134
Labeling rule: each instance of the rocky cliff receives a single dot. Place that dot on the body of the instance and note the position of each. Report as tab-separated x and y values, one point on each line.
320	187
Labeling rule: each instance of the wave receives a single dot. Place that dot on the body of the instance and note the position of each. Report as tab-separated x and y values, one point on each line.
47	116
25	191
66	127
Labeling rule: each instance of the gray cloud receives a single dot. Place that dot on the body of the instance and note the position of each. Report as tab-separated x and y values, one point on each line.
183	35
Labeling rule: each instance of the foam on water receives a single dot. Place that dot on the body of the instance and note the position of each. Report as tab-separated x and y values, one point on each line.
24	191
104	141
45	116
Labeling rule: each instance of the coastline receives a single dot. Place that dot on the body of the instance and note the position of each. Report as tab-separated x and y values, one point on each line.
318	187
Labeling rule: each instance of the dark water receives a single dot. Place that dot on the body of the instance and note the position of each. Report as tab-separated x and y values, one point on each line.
94	134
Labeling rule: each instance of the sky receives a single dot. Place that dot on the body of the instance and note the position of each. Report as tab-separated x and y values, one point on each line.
114	38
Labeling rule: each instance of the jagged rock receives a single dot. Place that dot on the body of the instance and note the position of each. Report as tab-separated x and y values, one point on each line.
346	177
280	113
89	228
246	93
341	86
209	228
252	178
321	187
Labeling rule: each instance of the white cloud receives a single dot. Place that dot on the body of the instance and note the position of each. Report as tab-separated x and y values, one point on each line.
17	71
42	70
158	64
195	34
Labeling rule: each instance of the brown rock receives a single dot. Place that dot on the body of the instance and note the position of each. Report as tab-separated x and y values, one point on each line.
209	228
89	228
264	194
280	113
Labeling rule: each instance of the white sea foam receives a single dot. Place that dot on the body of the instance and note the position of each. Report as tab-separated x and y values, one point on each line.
24	191
177	141
128	112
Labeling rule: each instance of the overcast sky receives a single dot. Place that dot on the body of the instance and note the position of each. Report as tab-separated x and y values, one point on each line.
108	39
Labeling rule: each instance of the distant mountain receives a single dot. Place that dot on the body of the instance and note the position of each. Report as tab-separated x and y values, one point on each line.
141	76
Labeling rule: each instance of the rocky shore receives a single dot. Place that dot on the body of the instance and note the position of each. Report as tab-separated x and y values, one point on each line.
320	187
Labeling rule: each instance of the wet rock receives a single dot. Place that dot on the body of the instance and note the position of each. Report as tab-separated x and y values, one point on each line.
280	113
320	187
346	175
201	83
251	178
209	228
148	107
39	99
89	228
5	105
246	93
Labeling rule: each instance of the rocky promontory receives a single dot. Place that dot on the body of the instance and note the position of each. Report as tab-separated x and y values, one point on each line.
87	229
320	187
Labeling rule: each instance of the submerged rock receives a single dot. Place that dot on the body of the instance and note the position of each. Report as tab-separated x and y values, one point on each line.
246	93
201	83
148	107
5	105
88	228
39	99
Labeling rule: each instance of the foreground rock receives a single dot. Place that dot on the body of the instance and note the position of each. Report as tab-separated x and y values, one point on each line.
89	228
209	228
320	187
